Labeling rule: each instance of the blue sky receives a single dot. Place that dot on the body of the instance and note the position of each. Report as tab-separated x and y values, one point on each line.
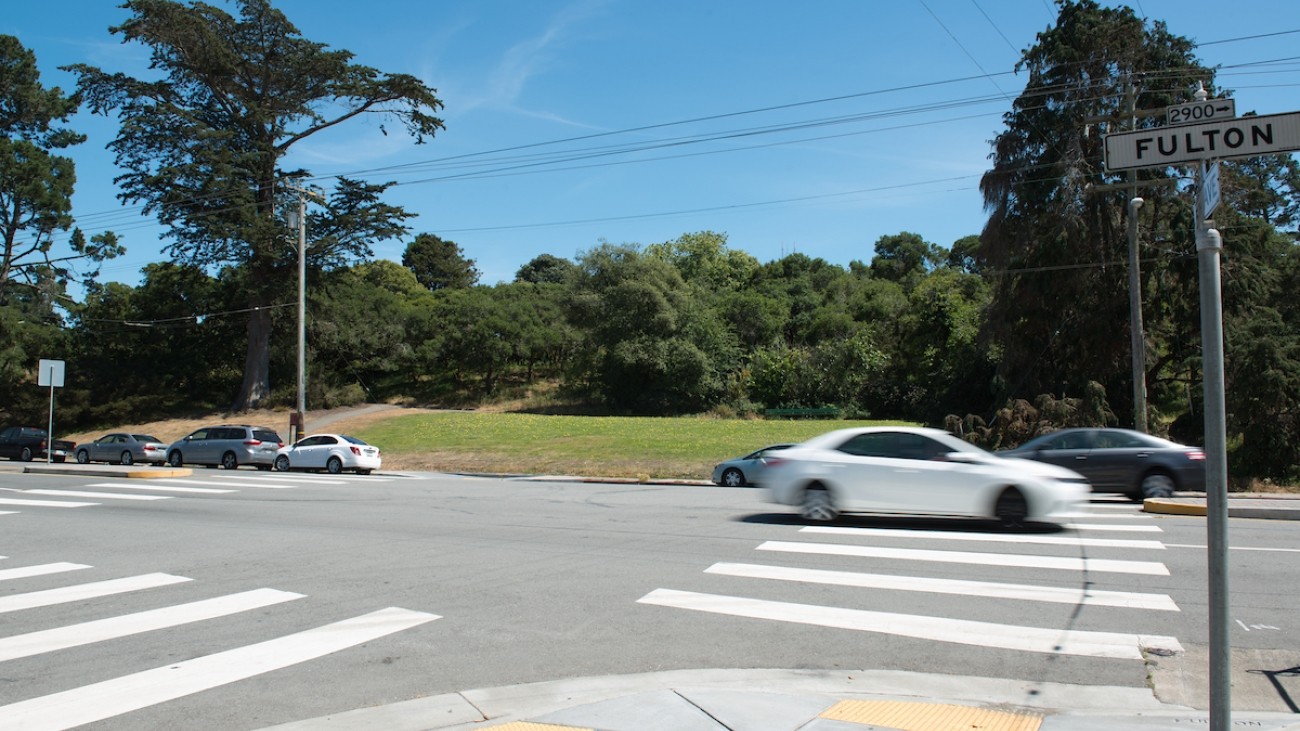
888	110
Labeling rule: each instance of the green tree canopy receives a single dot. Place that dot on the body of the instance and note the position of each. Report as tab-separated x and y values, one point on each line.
439	264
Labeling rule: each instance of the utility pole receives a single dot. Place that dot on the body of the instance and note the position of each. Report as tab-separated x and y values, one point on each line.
298	423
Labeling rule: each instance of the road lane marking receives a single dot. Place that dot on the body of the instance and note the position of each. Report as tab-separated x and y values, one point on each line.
1024	592
115	697
960	631
151	485
1099	516
75	635
96	495
1117	528
1238	548
1064	563
44	503
282	477
236	482
79	592
983	537
26	572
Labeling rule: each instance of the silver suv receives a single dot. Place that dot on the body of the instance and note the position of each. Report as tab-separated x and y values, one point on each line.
229	445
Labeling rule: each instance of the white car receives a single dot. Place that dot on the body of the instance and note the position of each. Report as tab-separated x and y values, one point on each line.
333	453
918	471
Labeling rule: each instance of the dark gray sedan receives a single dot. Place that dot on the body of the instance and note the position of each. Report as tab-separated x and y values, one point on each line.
1121	460
123	448
743	471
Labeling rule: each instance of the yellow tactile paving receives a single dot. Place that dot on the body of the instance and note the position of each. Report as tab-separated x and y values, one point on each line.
528	726
909	716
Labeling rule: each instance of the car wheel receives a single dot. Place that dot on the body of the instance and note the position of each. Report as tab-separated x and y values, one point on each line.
83	457
1011	509
818	506
25	455
733	477
282	463
174	458
334	465
1156	484
127	459
229	461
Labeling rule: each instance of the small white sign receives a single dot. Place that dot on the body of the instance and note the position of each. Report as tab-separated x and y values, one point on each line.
1210	189
51	373
1207	110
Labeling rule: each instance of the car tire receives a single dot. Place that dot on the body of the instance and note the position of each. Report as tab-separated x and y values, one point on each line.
83	457
282	463
174	458
1156	485
733	477
229	461
334	466
25	455
1011	508
818	506
127	459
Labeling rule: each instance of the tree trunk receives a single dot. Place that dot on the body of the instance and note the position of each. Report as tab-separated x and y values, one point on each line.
257	363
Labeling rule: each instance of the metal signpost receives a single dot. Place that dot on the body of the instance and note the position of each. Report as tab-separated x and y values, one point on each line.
1203	132
50	374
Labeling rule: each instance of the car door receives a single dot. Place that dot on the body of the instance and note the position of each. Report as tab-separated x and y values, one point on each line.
1118	457
872	473
100	448
8	442
198	446
309	453
1071	449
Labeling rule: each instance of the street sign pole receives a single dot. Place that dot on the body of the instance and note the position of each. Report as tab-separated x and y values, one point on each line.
1208	247
50	373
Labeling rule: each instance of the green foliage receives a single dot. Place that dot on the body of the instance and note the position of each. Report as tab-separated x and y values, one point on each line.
439	264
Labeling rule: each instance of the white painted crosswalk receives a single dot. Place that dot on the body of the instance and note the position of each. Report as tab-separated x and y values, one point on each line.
875	560
101	699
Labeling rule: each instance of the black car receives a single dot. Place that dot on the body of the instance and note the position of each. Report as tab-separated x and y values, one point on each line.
1121	460
26	443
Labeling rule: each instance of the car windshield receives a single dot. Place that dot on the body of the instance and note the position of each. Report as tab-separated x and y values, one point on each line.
144	438
354	440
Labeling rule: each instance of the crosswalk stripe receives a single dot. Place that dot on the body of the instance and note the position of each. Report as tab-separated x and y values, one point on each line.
282	477
79	592
110	698
1050	641
1116	528
1025	592
98	630
26	572
983	537
152	485
44	503
1065	563
1108	516
96	495
236	482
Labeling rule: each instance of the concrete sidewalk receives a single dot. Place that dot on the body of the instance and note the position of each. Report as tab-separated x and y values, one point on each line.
787	700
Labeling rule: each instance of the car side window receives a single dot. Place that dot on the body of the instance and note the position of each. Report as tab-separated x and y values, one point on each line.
1118	440
877	444
309	442
328	440
200	434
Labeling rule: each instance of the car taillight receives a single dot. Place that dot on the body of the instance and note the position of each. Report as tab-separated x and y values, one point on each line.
775	462
252	442
150	448
1195	455
356	450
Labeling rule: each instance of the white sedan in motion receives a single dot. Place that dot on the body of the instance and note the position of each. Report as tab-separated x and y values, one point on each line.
918	471
333	453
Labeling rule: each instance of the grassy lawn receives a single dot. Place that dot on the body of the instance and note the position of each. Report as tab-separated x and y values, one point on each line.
635	447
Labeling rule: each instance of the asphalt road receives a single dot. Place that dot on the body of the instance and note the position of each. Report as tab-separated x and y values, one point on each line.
358	591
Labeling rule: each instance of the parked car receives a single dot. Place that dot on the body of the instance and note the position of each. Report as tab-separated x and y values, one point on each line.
1121	460
123	448
333	453
228	445
743	471
26	443
918	471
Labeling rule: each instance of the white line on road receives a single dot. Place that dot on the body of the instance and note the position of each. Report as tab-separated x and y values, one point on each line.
75	635
236	482
1116	528
942	629
1237	548
159	488
110	698
982	537
44	569
96	495
1065	563
44	503
1024	592
79	592
282	477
